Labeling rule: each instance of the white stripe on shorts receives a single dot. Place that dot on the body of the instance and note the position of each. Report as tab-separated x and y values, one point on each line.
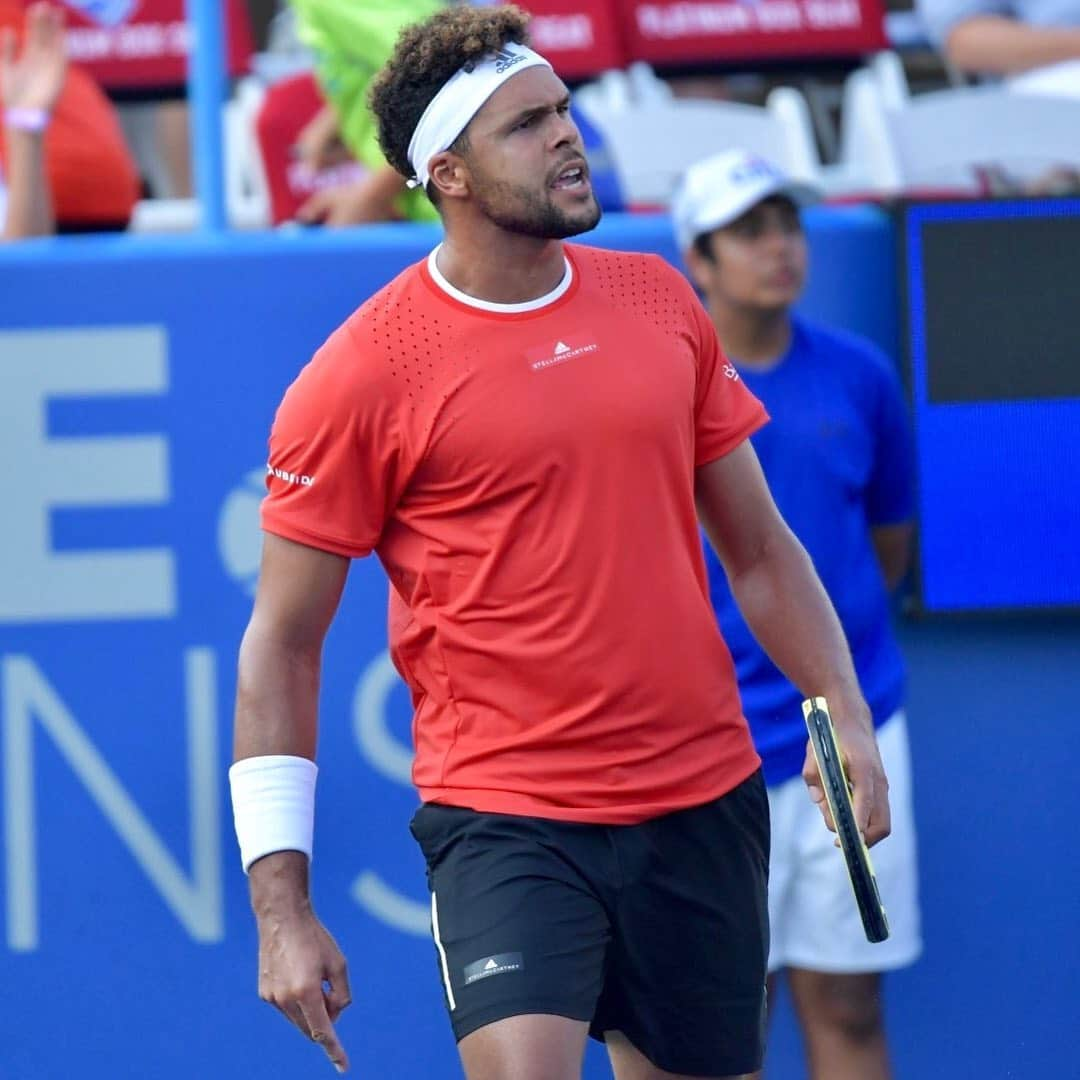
442	952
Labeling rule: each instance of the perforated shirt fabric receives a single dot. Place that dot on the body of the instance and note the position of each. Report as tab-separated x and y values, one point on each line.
526	479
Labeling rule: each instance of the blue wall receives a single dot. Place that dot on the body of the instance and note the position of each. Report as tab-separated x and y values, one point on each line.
138	379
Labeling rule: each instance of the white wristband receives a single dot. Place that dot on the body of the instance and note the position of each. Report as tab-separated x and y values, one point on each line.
19	118
273	801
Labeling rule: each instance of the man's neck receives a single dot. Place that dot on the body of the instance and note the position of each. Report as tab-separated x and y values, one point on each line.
501	267
756	339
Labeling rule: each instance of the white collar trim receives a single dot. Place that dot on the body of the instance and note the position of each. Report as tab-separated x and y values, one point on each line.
490	305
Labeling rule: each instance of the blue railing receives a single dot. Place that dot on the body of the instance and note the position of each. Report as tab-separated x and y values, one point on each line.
206	95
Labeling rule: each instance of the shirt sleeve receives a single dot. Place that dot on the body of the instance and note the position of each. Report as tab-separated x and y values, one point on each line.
338	461
726	413
890	493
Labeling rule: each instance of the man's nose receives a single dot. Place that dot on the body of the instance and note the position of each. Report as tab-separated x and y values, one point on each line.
565	132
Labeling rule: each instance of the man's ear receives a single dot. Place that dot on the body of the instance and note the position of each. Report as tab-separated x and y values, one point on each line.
699	267
449	174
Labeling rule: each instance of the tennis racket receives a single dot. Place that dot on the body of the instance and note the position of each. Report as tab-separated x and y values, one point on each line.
838	793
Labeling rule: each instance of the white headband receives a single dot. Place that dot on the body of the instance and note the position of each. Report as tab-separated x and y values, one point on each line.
460	99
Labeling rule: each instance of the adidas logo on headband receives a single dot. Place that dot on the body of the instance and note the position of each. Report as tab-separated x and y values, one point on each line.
463	94
504	60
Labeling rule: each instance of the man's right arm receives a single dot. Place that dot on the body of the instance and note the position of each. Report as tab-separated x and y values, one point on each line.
277	714
278	677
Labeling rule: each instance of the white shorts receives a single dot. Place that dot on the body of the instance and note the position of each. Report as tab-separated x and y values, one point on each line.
814	920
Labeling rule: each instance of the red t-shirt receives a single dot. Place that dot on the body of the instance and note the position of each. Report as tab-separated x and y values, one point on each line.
525	476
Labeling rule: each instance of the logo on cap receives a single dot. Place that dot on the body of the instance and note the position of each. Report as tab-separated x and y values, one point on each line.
754	168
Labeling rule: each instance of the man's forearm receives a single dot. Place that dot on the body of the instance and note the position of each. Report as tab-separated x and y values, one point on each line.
276	713
277	696
789	613
29	209
997	45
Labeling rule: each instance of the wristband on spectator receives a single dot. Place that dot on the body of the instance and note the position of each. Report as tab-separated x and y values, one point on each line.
273	801
20	119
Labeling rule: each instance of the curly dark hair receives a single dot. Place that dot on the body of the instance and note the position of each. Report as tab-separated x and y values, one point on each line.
425	56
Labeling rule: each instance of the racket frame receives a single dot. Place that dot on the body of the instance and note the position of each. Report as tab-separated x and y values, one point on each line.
834	779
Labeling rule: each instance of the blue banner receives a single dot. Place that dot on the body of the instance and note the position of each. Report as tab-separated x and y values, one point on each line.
138	381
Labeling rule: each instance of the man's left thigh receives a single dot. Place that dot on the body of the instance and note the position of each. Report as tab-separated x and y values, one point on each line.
685	980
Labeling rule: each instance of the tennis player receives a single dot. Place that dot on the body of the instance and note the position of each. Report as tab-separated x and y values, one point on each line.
519	429
837	460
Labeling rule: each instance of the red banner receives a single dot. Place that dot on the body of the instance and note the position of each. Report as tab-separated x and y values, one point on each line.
143	44
579	37
695	31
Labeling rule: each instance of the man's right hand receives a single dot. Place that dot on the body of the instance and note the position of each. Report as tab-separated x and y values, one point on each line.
301	969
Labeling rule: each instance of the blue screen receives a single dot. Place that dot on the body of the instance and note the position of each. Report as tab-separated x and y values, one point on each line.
993	334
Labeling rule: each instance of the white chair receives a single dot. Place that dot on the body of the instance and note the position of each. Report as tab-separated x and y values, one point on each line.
247	195
864	153
1054	80
651	145
623	88
184	215
948	139
247	200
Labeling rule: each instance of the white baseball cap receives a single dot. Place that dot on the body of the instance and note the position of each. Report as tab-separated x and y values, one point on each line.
716	191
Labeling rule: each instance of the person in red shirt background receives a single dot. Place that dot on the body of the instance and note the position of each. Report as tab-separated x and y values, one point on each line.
90	178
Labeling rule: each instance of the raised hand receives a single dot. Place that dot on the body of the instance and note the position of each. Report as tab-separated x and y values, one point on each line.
34	79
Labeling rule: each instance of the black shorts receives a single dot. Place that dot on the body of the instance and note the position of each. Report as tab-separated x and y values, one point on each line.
659	930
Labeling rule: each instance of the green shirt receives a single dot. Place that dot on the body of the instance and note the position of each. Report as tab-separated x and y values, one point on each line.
352	39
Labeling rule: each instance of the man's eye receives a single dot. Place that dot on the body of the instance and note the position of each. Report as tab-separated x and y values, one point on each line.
527	123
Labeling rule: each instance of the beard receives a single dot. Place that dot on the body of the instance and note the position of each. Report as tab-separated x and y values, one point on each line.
528	212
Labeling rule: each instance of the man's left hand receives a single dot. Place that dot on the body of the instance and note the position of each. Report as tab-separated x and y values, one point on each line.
862	762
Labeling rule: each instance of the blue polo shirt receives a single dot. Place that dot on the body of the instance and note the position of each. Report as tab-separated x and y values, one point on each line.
837	456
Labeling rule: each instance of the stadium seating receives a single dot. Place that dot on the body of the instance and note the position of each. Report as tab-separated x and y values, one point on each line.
947	140
653	143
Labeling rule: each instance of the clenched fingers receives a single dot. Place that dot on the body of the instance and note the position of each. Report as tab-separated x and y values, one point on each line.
870	799
815	786
336	993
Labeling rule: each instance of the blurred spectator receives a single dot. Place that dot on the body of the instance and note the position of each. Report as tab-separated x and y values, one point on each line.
351	40
837	458
137	53
1003	37
286	109
30	83
59	131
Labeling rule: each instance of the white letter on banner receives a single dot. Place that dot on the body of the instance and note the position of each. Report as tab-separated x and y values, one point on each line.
40	473
26	696
394	761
